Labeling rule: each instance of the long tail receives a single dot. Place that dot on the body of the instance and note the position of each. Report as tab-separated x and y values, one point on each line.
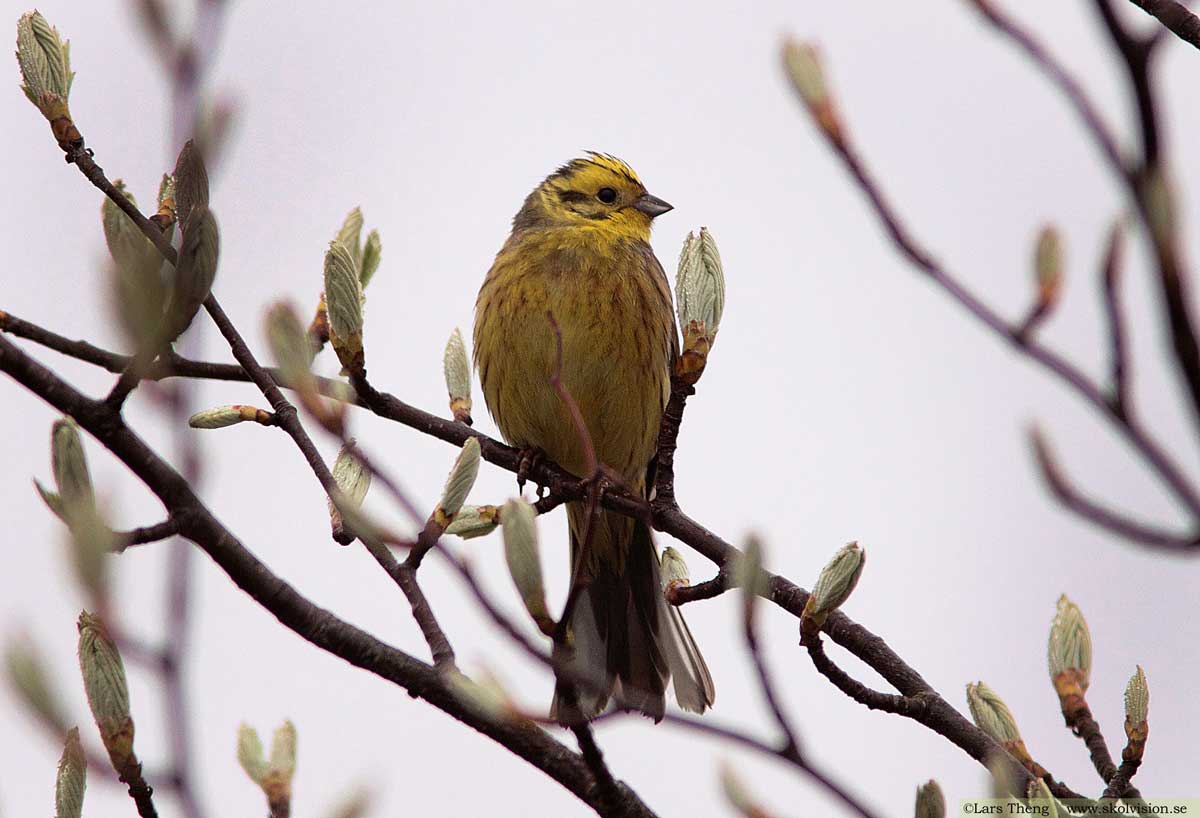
625	636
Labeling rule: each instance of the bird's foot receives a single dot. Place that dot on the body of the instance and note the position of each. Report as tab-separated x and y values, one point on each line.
530	459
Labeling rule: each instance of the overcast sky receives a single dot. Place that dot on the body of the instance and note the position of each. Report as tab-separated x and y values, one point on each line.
846	399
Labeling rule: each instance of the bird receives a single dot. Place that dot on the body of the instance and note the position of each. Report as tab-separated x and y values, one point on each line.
576	291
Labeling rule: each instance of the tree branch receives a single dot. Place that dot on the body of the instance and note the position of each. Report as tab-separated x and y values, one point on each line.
316	625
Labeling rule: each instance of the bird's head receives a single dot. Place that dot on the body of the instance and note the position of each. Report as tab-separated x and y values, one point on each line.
598	191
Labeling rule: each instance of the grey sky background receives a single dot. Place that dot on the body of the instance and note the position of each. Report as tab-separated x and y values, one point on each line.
845	398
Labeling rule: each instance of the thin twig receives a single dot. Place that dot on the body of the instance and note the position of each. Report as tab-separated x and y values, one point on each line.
1118	352
1175	18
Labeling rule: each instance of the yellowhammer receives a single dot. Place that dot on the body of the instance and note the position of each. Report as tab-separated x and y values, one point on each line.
579	250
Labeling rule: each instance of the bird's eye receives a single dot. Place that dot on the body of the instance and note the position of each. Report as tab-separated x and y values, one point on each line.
606	195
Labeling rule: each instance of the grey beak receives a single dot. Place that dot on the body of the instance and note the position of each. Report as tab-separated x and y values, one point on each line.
652	205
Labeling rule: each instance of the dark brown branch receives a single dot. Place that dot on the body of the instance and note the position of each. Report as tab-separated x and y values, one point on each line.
1173	278
1101	515
147	534
169	365
1057	73
405	577
1175	18
1064	370
909	706
316	625
1114	313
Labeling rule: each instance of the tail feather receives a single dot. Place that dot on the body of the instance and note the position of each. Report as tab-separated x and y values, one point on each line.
624	634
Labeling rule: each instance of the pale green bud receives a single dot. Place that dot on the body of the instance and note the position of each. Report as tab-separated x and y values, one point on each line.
350	234
673	570
371	254
521	551
45	63
991	714
736	793
27	674
191	182
290	347
71	781
1137	699
457	369
836	582
106	687
1070	646
344	304
459	483
485	692
803	66
166	195
92	542
354	479
474	521
1047	265
748	575
51	499
221	416
283	750
930	801
700	283
197	268
135	255
70	468
250	753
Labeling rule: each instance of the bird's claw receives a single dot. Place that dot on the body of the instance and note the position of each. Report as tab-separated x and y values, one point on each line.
530	459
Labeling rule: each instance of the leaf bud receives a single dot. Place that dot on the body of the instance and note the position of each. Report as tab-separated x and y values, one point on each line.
344	305
45	63
931	803
371	254
71	781
1069	650
458	483
106	688
835	584
353	479
457	369
524	559
28	676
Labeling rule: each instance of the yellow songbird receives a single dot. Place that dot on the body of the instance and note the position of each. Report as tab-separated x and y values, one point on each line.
579	251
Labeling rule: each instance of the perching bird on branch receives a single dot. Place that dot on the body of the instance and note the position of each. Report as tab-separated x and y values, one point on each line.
579	252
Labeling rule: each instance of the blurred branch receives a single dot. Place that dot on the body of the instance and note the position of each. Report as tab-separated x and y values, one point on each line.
1118	355
836	136
316	625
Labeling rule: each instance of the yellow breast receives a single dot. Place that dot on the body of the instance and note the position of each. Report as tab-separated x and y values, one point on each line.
612	304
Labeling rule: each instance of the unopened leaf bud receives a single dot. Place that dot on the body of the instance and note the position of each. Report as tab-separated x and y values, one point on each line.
700	299
197	268
931	803
459	483
45	63
106	688
521	551
457	369
221	416
802	63
991	714
371	255
474	521
250	753
1137	700
673	570
1047	265
71	781
28	676
344	305
1069	651
835	584
350	234
354	479
191	182
70	468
